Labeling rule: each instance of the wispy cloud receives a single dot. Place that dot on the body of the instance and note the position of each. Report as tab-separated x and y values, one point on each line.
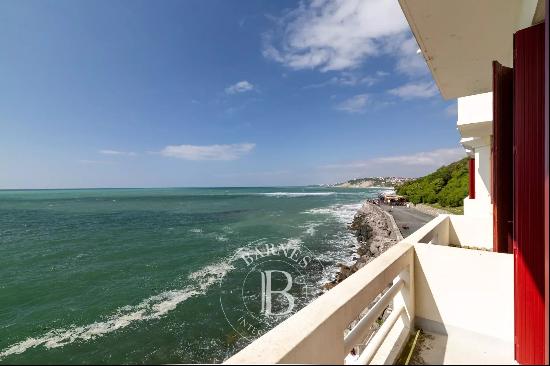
356	104
95	162
239	87
346	78
431	158
117	152
412	164
339	35
409	62
415	90
208	152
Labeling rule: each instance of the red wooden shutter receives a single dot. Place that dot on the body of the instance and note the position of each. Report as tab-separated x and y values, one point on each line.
472	177
502	157
529	171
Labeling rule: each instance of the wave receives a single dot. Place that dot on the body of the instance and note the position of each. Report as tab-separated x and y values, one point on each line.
311	227
343	213
151	308
250	248
296	194
159	305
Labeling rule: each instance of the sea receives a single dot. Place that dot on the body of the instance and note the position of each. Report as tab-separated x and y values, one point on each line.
139	275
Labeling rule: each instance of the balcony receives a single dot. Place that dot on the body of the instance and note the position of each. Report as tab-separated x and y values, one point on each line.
457	231
462	299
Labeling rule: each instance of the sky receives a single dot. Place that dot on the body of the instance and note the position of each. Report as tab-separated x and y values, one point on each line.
215	93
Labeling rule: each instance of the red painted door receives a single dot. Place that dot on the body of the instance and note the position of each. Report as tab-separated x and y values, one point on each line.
502	157
529	170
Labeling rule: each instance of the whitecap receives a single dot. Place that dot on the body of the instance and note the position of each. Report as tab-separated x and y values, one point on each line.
296	194
343	213
311	227
151	308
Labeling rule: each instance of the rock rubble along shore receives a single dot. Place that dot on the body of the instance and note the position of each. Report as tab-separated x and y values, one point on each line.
374	233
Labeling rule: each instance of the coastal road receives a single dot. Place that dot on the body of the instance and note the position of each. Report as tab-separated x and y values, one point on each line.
407	219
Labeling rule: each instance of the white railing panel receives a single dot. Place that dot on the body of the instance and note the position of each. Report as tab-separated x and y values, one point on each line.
316	333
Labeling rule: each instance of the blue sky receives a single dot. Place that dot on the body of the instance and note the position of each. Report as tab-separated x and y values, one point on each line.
214	93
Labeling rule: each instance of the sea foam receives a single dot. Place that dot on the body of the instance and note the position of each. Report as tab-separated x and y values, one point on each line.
296	194
151	308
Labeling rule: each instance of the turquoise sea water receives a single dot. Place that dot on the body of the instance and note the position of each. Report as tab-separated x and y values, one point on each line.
136	275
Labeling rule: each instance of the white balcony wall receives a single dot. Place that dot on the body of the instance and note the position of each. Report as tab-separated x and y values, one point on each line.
477	208
459	289
475	109
464	297
483	173
475	123
456	230
315	334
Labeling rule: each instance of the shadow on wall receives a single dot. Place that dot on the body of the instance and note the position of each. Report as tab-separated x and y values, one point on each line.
428	351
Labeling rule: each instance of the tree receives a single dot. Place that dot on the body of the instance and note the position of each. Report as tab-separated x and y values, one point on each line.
447	186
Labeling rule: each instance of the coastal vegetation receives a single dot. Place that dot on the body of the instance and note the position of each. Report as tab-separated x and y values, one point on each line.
446	187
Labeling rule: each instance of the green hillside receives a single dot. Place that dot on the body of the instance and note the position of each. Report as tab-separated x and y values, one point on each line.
447	186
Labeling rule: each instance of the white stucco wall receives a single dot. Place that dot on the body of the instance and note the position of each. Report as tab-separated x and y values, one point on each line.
477	208
475	115
481	206
483	172
457	230
475	108
464	289
468	231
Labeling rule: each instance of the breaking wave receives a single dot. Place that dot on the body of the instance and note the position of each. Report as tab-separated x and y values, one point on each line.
296	194
151	308
341	212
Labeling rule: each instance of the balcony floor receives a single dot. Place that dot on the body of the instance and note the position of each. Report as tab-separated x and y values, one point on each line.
462	347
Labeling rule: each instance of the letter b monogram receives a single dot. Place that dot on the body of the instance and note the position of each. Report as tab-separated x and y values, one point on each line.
267	293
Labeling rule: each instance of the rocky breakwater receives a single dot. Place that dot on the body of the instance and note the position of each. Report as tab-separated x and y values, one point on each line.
375	234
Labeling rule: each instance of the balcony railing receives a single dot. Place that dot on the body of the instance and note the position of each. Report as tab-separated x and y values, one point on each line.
462	298
316	333
456	230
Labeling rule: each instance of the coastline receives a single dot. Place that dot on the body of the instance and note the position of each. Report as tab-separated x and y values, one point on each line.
375	232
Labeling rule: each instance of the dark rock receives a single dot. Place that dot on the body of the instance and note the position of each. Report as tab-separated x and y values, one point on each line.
374	236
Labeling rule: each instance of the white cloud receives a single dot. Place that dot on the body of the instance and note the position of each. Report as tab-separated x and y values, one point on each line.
207	152
409	61
116	152
355	104
402	165
240	87
341	34
416	90
347	78
434	158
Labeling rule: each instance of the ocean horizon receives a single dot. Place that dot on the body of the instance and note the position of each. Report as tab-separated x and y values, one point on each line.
135	275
